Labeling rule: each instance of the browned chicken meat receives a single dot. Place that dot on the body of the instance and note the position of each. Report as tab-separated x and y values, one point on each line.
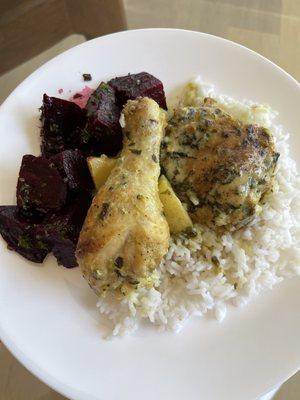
220	167
125	234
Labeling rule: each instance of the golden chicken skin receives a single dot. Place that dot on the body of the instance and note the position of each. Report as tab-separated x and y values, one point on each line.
220	167
125	234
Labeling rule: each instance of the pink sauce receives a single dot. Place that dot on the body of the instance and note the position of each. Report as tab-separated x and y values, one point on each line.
81	98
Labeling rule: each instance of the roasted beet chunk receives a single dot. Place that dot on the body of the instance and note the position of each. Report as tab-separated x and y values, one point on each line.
102	133
130	87
61	122
73	168
40	187
61	230
20	235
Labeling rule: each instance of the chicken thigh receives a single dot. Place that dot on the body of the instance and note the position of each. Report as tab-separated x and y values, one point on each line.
125	234
220	167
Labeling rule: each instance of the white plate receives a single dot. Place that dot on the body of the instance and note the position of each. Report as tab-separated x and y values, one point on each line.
47	314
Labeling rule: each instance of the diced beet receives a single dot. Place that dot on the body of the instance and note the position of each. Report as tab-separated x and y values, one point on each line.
130	87
102	133
64	252
61	230
73	168
61	123
20	235
40	187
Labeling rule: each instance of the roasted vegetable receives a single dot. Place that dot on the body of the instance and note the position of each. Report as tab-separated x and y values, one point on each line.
73	168
61	124
102	133
132	86
20	235
40	187
61	230
100	168
176	215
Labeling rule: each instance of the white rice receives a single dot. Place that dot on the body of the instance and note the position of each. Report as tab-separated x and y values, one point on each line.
245	263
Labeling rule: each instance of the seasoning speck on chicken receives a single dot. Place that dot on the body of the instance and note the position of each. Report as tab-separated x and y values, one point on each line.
220	167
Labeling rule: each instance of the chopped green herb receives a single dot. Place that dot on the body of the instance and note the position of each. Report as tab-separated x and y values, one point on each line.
87	77
54	128
86	135
42	245
154	158
97	274
119	262
104	211
135	151
215	260
191	232
25	242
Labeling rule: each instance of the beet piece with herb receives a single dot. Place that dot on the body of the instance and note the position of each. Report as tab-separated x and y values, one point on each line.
40	187
20	235
74	170
102	133
132	86
61	230
61	121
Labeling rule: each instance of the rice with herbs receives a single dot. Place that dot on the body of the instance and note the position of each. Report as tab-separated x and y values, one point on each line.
207	272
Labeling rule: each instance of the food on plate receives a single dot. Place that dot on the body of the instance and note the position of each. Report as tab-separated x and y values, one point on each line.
73	168
195	211
222	168
125	234
207	267
60	230
176	215
132	86
53	196
20	234
102	132
100	169
36	176
87	77
54	190
61	122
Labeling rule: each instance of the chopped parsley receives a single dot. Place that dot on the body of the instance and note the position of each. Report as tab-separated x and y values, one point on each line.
135	151
87	77
119	262
154	158
104	211
25	242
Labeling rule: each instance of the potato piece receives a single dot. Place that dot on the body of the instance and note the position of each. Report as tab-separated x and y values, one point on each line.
177	217
100	168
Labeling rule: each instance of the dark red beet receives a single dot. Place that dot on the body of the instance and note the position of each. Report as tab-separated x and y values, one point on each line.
102	133
64	252
72	166
20	235
61	230
40	187
61	123
130	87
